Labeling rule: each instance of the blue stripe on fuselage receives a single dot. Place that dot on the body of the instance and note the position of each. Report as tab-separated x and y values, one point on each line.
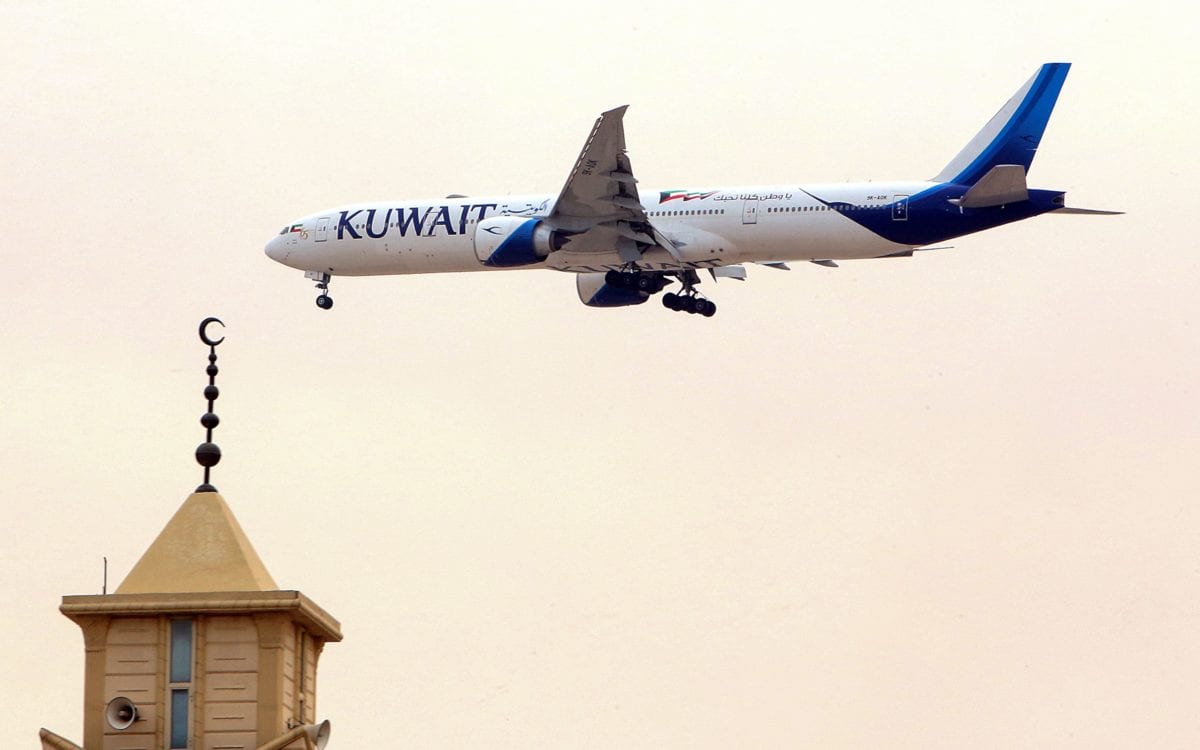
933	218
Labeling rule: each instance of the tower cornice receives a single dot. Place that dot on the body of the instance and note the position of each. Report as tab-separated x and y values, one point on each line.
318	622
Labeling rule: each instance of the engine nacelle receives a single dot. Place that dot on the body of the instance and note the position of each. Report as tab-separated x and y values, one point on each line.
510	241
594	291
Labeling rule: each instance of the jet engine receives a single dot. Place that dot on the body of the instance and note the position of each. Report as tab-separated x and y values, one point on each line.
510	241
594	291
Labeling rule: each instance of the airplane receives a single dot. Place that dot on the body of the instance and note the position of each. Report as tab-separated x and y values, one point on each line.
625	245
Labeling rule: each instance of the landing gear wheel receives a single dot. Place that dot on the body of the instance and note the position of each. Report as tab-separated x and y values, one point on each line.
324	301
671	301
707	308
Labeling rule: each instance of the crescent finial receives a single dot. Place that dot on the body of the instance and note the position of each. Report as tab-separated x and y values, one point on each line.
204	331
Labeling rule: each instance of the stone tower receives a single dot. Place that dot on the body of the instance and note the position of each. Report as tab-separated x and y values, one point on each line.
198	648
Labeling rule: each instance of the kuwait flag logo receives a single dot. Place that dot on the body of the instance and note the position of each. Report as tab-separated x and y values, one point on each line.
674	195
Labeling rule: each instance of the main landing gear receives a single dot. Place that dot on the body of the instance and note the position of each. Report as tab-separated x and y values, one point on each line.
324	301
648	282
653	282
689	301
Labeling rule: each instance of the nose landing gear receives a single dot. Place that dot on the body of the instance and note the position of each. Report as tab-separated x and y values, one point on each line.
324	301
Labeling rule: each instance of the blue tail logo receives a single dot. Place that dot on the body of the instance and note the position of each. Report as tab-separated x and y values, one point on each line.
1013	134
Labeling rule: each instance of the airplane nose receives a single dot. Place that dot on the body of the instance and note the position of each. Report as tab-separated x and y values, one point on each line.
274	249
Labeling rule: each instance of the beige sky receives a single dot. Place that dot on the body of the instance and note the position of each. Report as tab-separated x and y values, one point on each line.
928	503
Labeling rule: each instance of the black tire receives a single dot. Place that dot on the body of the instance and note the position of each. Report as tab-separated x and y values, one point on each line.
613	278
688	304
324	302
710	309
671	301
645	282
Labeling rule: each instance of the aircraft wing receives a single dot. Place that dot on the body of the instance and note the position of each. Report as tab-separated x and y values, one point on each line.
599	206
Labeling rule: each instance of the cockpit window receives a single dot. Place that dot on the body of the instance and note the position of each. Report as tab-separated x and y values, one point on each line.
283	231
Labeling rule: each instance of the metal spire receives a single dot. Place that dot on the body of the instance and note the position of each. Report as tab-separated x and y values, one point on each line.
208	454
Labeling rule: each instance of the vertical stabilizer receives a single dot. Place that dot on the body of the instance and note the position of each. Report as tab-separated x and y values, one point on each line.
1013	134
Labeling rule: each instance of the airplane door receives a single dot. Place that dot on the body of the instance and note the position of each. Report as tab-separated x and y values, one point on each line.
750	211
900	208
322	229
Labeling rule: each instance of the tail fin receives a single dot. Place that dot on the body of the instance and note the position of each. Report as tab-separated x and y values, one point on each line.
1013	134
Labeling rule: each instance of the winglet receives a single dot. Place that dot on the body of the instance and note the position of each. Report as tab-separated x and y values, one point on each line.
1013	134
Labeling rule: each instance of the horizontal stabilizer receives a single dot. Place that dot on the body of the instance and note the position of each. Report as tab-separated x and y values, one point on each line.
1091	211
1004	183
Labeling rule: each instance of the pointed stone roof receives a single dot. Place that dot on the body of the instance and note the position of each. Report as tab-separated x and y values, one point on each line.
201	549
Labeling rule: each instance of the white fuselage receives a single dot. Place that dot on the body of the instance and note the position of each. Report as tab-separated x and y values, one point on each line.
710	228
623	244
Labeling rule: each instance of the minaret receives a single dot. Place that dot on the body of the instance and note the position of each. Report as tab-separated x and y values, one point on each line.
198	648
